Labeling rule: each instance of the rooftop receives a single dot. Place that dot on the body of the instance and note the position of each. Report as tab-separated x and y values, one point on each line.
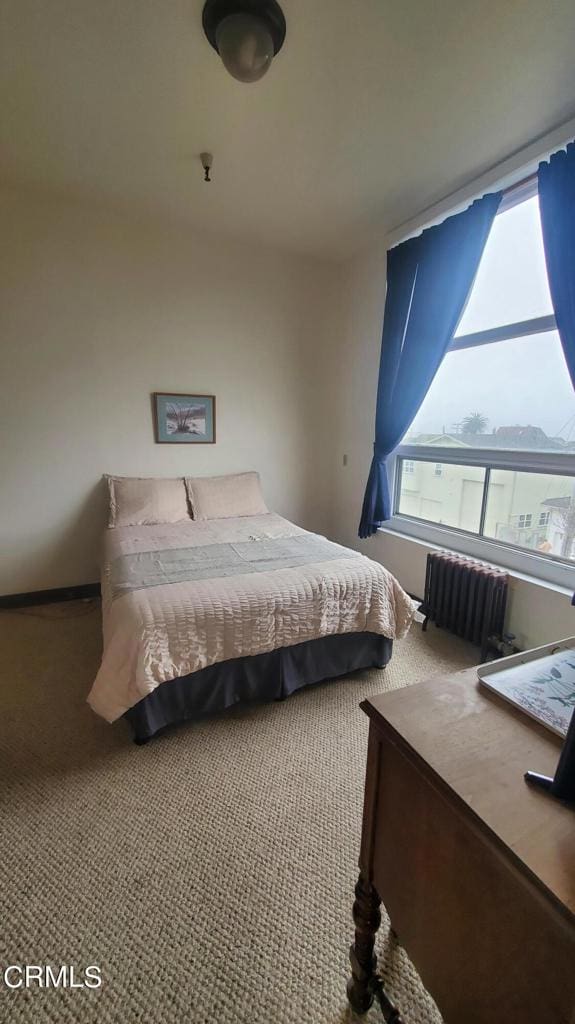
512	438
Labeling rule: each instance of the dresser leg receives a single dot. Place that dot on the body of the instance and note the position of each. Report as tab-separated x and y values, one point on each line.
367	919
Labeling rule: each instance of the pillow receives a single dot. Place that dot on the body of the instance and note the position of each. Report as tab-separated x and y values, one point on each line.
221	497
142	501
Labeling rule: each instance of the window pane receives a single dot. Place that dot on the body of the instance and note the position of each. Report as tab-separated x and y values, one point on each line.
532	510
511	283
514	394
451	497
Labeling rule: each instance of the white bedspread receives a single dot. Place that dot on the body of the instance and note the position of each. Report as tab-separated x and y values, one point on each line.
164	631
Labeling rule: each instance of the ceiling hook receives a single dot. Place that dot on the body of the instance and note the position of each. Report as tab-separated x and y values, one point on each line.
207	161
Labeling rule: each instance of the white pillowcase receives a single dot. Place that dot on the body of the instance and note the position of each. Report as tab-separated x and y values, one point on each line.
221	497
146	501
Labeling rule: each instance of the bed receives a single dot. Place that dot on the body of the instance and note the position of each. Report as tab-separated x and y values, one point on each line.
198	616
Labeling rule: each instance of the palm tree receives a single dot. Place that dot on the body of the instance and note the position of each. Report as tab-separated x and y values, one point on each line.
475	423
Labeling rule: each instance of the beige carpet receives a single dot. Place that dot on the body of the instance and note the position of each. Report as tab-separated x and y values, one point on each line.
210	874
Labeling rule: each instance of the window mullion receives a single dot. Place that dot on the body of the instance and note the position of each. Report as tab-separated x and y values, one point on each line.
507	332
484	500
398	469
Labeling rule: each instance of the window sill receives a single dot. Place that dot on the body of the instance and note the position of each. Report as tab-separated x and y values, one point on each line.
492	553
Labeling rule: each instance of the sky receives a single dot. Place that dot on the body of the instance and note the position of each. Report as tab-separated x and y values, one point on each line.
522	381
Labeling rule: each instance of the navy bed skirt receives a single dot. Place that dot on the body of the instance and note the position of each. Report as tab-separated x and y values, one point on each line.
263	677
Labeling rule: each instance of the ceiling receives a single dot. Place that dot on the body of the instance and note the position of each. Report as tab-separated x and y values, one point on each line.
372	110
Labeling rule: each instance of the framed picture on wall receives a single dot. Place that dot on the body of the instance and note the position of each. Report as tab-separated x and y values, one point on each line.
184	419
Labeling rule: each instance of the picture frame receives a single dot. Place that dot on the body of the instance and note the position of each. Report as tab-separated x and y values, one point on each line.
184	418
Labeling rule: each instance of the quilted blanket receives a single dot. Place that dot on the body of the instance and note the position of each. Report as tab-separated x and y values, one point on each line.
179	597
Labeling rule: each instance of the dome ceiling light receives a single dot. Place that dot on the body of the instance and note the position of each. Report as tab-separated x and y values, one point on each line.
247	34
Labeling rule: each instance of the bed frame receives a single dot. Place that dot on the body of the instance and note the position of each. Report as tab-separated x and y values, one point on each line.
263	677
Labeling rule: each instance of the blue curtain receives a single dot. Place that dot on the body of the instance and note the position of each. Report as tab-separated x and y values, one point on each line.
428	283
557	206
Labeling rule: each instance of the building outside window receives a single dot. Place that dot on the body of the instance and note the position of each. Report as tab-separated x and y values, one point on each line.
500	414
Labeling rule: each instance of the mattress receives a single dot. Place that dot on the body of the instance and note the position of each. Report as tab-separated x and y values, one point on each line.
180	597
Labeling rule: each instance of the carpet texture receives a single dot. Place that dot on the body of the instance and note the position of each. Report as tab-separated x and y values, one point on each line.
209	874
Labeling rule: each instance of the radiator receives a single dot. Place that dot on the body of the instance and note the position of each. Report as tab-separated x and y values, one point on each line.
465	596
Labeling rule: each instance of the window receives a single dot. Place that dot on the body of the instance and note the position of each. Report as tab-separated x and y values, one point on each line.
510	394
511	284
542	492
482	500
454	499
523	521
499	417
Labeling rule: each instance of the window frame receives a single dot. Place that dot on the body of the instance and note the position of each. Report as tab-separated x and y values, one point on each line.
549	568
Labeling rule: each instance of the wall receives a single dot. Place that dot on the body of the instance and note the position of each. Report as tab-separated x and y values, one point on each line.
537	613
99	310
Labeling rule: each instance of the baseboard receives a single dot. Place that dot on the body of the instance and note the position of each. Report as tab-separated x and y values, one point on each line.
77	593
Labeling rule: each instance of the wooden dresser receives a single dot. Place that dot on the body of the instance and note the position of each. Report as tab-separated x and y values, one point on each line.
475	868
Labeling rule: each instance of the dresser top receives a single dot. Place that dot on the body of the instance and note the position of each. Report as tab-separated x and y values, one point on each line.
479	747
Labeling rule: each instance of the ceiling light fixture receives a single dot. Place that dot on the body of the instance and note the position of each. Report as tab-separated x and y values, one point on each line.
247	34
